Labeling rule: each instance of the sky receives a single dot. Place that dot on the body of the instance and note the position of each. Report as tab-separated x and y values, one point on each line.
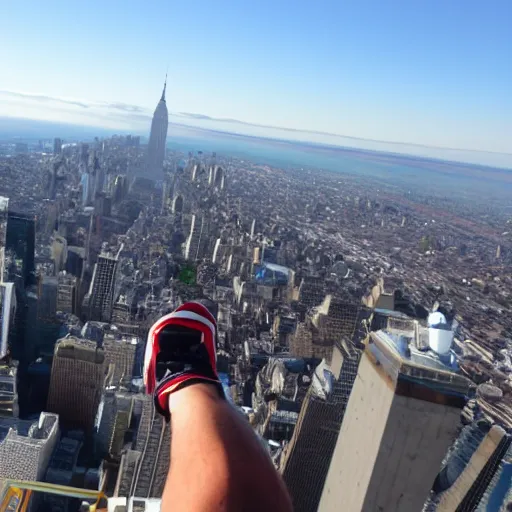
427	73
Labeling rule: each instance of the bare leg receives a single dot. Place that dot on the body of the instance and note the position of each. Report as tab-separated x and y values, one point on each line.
217	462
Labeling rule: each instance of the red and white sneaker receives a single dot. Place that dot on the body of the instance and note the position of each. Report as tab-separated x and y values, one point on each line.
181	351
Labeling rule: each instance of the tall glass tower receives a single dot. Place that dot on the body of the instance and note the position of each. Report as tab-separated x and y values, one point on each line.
20	242
157	137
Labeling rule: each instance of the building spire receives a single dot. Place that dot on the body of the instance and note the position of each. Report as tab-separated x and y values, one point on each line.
165	86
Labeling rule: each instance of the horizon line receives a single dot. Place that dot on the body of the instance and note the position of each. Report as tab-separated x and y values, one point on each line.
279	140
203	117
84	104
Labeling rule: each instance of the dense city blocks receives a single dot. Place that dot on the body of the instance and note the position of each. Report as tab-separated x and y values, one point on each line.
364	326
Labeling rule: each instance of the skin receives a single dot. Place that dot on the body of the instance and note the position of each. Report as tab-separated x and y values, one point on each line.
217	462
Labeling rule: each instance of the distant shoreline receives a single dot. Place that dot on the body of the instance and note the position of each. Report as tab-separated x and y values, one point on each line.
407	172
35	129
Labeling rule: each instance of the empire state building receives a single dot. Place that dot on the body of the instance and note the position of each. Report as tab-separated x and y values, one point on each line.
157	137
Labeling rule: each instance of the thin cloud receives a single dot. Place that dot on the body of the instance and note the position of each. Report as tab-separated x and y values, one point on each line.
201	117
126	108
127	116
43	98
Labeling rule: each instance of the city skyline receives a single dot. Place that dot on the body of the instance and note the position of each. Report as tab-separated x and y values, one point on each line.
295	213
375	72
348	309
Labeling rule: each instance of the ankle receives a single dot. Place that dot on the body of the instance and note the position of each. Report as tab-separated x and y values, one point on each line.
192	395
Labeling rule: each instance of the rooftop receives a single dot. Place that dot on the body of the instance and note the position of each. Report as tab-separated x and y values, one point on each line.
134	504
400	358
22	427
78	348
29	431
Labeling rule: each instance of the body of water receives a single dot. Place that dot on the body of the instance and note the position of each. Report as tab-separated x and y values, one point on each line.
421	174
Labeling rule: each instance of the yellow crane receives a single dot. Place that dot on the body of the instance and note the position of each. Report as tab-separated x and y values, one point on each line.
17	494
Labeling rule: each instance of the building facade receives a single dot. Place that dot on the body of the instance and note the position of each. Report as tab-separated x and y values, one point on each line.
26	447
402	416
76	383
20	244
7	315
67	293
309	453
193	243
99	299
120	353
8	391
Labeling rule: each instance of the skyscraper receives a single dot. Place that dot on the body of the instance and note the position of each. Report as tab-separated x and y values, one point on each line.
86	188
100	297
470	484
193	243
59	252
18	268
76	384
20	246
323	326
120	352
57	146
47	295
4	212
67	293
7	312
157	137
402	416
310	450
48	327
113	420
